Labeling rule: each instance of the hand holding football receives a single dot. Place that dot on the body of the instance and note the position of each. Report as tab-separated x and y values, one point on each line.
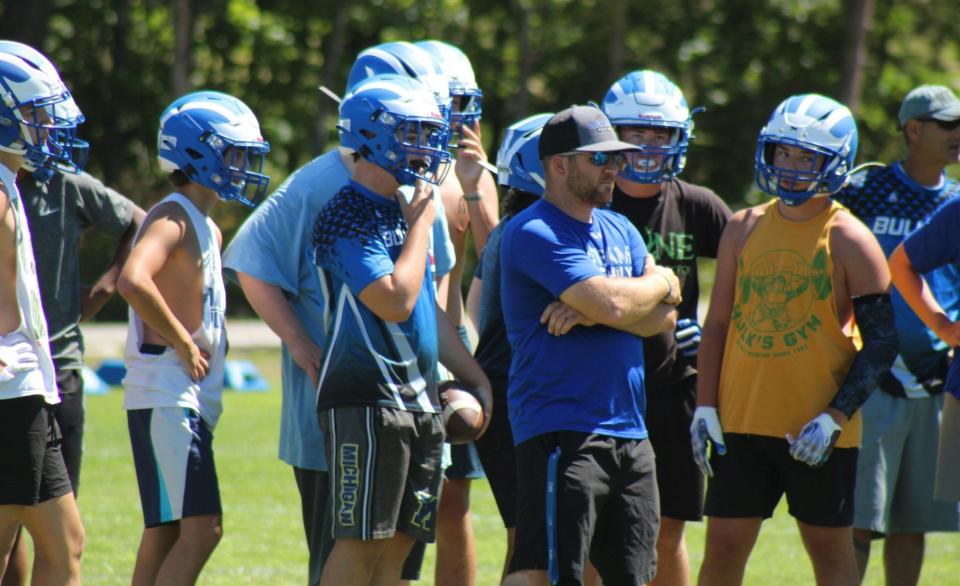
462	412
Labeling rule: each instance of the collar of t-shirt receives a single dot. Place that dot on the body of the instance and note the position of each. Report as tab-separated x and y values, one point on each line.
909	181
552	210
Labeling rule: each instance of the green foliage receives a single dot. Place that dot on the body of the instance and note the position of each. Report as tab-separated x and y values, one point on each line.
738	58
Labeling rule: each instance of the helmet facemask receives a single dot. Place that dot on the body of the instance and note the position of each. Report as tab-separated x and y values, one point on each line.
416	148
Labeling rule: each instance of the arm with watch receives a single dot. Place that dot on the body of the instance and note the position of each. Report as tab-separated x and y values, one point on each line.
479	189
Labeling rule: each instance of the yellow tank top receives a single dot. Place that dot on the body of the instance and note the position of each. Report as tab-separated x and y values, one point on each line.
786	353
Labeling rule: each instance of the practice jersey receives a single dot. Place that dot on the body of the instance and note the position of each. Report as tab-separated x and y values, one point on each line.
893	205
159	380
590	379
358	236
786	354
33	325
680	224
61	211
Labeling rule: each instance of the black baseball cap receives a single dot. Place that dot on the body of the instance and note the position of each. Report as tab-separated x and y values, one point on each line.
580	129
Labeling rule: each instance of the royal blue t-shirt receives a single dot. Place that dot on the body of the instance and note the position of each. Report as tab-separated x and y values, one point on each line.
893	205
367	360
934	245
591	379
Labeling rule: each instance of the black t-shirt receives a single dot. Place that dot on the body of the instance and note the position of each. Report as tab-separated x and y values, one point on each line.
679	224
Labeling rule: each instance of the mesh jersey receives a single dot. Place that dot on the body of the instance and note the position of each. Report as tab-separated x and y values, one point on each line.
358	237
892	205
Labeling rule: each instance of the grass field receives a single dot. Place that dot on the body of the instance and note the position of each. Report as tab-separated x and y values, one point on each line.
263	538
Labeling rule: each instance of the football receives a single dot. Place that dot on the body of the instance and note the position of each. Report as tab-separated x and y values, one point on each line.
462	412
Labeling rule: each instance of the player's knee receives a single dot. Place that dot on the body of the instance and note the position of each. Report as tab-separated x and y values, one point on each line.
670	543
203	534
454	499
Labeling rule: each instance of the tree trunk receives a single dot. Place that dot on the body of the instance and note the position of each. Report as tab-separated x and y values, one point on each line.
526	61
333	53
179	74
859	21
26	21
618	34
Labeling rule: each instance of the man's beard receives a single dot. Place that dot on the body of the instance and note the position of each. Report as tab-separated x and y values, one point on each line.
591	192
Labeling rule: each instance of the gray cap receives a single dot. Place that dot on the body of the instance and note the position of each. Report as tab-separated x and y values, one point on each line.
929	101
580	128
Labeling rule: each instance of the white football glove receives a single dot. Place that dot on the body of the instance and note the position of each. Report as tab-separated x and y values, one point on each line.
706	426
815	442
688	337
17	357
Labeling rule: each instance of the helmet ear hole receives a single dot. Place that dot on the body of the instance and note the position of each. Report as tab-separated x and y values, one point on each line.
368	134
194	154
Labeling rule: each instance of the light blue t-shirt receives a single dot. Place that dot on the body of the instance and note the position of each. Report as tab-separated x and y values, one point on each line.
591	379
274	245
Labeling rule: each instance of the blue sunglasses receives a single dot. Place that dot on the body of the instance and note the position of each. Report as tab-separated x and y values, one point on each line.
602	159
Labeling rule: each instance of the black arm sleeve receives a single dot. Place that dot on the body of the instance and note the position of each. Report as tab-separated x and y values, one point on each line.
874	315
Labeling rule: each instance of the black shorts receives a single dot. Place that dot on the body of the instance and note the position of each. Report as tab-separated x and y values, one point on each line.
603	507
31	464
756	471
668	417
499	458
384	471
70	417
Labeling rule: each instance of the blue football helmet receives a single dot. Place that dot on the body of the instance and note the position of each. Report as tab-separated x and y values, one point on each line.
215	140
518	160
466	95
648	99
402	58
394	122
818	124
69	153
37	114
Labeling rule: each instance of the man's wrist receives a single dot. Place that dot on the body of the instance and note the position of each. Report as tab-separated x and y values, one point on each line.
669	285
473	195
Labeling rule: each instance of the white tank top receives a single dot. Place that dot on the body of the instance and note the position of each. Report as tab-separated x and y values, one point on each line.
33	325
159	380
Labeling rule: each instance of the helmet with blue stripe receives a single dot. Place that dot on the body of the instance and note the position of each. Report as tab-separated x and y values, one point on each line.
214	139
402	58
394	122
466	95
66	151
817	124
648	99
38	116
518	160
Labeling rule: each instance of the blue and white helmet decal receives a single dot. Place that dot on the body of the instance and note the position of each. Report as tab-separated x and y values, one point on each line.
37	113
518	160
402	58
466	95
815	123
215	140
649	99
394	122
